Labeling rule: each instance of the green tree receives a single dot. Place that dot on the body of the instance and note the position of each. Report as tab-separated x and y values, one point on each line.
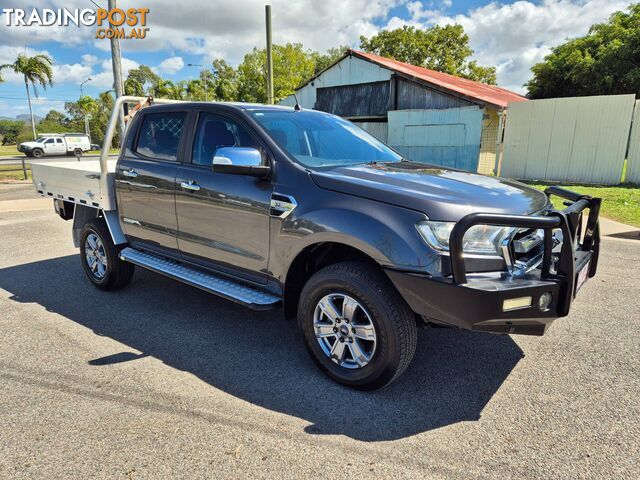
163	88
291	66
35	70
224	81
54	122
606	61
444	49
9	131
324	60
86	109
140	81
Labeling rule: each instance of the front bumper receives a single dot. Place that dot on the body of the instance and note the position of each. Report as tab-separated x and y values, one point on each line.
477	301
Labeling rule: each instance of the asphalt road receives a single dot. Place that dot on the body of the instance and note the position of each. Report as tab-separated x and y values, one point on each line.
161	380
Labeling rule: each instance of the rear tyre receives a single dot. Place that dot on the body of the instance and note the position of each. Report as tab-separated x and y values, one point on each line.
37	153
356	326
99	257
77	152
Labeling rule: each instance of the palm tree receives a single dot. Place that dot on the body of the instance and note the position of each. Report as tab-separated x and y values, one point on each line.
36	70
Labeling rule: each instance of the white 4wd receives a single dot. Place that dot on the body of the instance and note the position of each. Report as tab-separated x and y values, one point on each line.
51	145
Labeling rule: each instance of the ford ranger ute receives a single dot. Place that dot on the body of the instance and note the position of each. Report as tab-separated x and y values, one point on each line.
268	206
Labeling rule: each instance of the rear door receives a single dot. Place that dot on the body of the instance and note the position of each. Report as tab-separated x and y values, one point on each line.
52	148
223	218
145	180
61	146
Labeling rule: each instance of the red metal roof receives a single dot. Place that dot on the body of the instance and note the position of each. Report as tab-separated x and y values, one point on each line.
491	94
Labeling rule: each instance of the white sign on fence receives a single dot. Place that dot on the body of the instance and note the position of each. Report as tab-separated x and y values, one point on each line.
577	139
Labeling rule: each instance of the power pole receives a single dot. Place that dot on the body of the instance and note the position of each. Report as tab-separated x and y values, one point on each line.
117	71
87	117
270	99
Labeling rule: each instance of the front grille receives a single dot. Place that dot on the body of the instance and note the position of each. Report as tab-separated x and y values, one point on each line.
524	251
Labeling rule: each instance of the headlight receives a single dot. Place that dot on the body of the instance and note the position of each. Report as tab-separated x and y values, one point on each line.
479	239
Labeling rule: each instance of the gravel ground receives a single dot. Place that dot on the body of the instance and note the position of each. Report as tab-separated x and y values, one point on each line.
161	380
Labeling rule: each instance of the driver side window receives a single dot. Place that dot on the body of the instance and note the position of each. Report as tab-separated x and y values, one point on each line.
215	131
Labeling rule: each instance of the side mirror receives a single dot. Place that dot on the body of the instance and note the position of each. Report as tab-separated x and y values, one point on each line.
240	161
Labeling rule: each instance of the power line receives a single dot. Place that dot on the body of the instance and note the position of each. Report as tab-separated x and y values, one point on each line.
48	98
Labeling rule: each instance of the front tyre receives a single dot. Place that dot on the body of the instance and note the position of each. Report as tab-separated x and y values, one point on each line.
99	257
356	326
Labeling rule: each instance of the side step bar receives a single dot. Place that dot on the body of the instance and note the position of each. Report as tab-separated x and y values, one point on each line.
218	285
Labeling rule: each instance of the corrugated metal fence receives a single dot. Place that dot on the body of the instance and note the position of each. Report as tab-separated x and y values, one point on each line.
633	158
377	129
578	139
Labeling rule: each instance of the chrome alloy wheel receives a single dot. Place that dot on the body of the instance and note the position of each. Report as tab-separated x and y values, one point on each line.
344	330
95	255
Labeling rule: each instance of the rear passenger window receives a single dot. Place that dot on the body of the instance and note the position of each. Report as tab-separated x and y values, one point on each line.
160	135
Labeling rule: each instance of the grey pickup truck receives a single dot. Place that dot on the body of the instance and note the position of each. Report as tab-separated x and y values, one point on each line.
272	206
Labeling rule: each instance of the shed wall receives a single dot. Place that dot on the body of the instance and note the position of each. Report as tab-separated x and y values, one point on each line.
349	71
411	96
377	129
361	100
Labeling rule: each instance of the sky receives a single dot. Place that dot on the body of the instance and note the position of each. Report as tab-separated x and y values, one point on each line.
511	35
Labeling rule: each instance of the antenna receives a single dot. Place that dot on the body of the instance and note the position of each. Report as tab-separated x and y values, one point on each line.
297	106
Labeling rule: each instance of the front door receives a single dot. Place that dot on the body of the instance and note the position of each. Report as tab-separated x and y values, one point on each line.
145	182
223	219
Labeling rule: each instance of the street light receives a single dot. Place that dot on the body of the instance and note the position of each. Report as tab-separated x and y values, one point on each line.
206	93
86	115
87	80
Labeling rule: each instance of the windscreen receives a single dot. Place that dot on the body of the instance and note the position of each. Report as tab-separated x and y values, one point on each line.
319	140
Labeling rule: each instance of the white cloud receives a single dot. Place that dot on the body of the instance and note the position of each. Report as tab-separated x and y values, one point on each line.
104	78
514	37
510	36
88	59
41	106
171	65
225	28
75	73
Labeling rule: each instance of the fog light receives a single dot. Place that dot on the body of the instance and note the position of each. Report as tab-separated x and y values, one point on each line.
545	301
516	303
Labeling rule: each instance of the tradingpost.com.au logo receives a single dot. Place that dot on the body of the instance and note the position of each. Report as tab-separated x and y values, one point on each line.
117	22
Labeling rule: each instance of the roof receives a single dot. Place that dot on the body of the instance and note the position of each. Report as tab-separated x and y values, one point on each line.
480	92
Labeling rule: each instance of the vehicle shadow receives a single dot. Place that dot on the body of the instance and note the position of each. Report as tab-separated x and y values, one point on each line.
260	358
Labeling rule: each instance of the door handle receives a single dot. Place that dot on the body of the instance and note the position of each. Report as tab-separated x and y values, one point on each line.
130	173
190	185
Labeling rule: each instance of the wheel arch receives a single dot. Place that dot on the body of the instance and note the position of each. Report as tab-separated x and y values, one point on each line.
83	213
313	258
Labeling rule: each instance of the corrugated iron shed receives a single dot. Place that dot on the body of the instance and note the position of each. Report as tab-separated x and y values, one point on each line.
468	89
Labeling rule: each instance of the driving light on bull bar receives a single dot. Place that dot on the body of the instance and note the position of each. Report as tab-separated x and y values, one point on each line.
544	302
516	303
